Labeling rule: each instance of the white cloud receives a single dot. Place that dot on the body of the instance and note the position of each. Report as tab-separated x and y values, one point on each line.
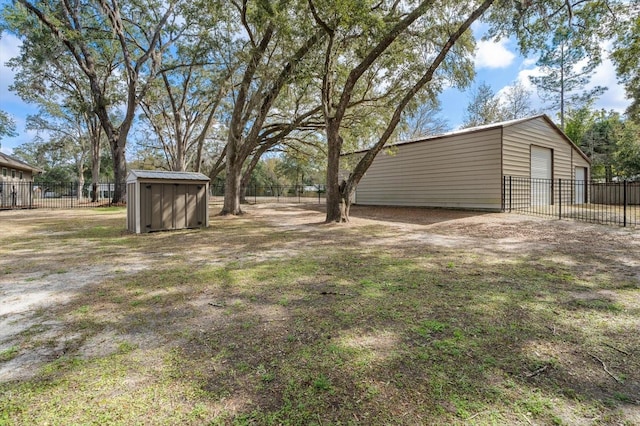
524	74
604	75
9	47
493	54
523	78
614	98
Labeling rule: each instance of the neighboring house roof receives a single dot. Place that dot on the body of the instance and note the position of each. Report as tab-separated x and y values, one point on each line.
492	126
14	163
164	175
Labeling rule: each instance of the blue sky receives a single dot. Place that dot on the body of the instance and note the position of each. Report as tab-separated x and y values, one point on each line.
500	65
497	63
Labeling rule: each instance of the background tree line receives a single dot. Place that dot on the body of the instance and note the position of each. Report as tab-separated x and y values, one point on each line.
244	89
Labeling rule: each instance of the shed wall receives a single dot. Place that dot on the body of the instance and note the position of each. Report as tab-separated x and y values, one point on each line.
132	207
173	206
460	171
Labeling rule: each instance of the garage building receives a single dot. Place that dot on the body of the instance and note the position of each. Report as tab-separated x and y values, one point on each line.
467	168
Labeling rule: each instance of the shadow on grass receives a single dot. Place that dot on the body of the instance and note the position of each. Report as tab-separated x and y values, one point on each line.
350	335
408	215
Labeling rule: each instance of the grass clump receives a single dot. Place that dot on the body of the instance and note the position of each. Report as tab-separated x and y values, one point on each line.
9	353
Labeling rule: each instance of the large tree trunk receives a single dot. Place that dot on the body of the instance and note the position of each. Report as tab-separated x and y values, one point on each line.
232	186
233	179
334	196
95	171
80	195
339	194
119	172
244	183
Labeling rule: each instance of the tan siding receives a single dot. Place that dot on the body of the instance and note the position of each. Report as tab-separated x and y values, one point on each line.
455	171
131	207
579	161
517	141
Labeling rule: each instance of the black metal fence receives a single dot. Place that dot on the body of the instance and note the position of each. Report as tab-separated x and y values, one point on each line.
67	195
31	195
276	194
615	203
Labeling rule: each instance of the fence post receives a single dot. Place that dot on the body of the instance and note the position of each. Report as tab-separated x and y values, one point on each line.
559	198
504	193
624	202
510	193
255	193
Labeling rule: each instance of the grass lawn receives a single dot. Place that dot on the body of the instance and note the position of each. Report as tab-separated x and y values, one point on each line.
276	318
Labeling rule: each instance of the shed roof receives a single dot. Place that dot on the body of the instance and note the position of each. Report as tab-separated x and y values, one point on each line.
492	126
166	175
7	160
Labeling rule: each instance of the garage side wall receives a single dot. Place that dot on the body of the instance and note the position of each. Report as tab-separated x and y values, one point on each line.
458	171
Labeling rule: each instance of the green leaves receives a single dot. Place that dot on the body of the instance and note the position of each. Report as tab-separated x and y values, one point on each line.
626	56
611	142
7	125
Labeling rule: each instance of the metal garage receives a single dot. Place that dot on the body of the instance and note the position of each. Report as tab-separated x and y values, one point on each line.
160	201
467	168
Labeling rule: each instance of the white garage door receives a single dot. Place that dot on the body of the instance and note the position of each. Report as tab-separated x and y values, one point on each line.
541	175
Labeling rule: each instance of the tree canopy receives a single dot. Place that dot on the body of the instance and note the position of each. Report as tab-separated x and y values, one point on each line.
7	125
626	55
609	140
217	85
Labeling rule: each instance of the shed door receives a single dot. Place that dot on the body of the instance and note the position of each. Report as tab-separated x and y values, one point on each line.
195	208
580	184
541	175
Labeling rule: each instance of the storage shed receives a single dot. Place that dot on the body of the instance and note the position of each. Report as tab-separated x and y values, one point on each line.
159	200
465	168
